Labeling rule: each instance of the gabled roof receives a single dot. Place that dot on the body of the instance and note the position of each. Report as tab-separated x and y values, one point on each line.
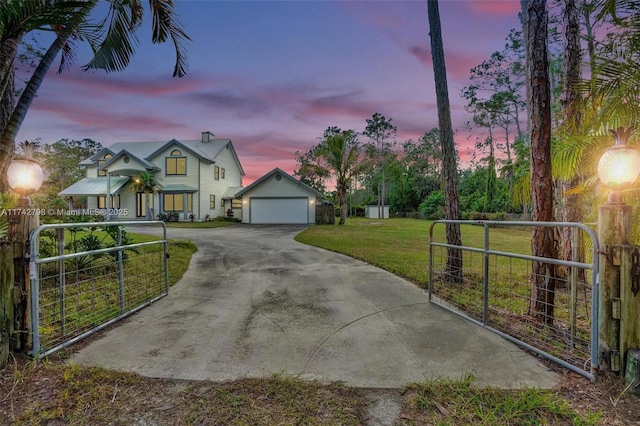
97	156
180	145
207	151
124	153
286	176
95	186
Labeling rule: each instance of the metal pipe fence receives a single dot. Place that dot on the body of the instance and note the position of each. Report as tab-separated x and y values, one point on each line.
495	288
86	276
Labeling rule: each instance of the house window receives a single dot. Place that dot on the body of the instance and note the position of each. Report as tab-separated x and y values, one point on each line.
176	165
100	163
175	202
212	202
222	172
236	203
216	172
115	202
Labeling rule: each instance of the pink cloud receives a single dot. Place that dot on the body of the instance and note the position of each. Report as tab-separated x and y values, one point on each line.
99	120
102	84
496	7
458	64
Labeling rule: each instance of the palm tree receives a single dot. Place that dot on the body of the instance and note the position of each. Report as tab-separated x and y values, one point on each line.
112	40
336	157
147	183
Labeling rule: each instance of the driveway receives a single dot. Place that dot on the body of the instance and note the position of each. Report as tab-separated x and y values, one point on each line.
255	302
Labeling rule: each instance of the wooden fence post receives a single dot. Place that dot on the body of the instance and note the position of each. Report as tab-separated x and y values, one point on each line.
614	231
6	300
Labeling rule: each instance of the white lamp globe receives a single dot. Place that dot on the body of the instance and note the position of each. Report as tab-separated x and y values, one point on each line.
619	166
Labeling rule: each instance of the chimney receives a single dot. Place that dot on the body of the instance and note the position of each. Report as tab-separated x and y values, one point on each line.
207	137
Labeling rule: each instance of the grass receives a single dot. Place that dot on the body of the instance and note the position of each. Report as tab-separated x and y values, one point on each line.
55	392
58	393
458	402
401	246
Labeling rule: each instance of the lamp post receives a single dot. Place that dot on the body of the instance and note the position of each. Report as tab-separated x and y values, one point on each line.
25	178
618	325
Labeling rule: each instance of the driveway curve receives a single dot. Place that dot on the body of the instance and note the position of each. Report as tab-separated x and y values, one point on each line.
254	302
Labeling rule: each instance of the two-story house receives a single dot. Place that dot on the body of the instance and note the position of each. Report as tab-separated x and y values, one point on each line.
197	177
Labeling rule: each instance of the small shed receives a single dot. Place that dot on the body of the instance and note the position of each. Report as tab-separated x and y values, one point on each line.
373	211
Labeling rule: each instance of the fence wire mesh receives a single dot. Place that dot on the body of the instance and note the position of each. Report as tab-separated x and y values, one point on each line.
499	285
85	276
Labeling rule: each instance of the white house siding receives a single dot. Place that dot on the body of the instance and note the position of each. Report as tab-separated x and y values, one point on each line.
209	186
272	188
190	179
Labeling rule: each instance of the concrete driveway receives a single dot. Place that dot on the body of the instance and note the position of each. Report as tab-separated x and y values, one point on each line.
255	302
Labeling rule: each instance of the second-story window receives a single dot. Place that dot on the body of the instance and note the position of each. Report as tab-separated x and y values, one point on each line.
222	172
176	164
101	162
216	172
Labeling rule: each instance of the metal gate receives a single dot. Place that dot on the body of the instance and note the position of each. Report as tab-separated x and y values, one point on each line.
86	276
493	288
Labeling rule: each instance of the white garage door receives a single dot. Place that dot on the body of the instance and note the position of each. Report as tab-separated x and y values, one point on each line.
279	210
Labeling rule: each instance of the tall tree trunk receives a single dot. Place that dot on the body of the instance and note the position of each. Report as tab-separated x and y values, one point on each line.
449	162
10	129
543	280
342	200
571	203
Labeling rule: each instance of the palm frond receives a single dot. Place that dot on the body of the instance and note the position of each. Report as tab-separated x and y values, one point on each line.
115	44
166	24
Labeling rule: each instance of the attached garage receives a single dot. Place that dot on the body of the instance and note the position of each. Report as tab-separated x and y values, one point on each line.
279	210
278	198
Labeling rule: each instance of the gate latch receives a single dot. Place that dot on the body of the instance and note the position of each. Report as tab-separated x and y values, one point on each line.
635	272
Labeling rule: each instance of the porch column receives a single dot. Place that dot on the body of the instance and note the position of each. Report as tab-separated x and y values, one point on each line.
108	200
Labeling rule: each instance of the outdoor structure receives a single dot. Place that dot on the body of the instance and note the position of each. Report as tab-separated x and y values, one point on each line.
197	179
374	211
278	197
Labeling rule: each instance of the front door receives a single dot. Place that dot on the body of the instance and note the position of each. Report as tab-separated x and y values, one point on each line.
141	204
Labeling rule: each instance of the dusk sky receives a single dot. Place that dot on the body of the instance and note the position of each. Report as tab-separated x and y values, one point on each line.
272	76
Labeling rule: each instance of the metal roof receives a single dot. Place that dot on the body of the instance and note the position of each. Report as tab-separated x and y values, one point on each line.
95	186
231	192
178	188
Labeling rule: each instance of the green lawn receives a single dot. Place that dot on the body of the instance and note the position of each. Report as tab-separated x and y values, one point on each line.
401	246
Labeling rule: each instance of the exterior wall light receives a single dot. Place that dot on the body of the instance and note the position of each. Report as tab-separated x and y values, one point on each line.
619	166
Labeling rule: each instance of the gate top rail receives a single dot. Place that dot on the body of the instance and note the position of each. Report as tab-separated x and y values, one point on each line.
33	239
488	223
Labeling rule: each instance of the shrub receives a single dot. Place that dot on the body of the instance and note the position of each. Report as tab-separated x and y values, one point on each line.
433	206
